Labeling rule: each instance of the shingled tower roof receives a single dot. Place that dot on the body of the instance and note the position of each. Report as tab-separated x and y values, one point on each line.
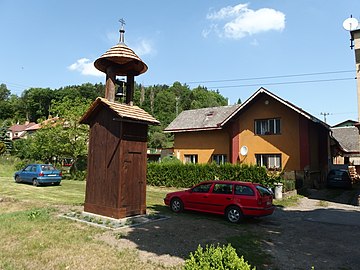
122	59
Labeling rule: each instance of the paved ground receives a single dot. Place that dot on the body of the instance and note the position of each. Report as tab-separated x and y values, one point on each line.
322	231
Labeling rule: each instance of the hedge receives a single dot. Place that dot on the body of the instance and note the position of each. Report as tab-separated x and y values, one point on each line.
187	175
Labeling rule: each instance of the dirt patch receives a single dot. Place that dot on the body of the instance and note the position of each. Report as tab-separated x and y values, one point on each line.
171	241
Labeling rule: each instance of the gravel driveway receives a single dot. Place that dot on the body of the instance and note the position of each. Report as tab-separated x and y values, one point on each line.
322	231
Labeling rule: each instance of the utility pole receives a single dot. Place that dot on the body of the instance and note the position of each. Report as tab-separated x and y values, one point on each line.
324	114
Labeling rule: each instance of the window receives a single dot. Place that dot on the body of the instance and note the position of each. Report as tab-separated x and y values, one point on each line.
264	191
191	158
222	189
270	161
267	126
244	190
203	188
28	168
219	159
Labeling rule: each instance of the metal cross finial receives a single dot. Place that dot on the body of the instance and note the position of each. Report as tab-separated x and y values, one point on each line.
122	31
122	21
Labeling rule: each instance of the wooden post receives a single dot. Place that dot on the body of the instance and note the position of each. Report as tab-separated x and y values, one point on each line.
130	88
110	84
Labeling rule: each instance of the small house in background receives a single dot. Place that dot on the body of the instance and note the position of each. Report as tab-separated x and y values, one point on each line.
346	123
19	131
348	151
264	130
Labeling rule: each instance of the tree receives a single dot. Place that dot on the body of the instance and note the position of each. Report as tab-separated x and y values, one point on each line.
4	92
5	108
2	148
65	138
74	135
4	139
203	98
37	102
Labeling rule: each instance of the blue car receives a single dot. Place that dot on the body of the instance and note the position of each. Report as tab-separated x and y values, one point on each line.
39	174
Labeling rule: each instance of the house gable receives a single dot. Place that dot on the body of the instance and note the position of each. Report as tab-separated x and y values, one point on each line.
301	141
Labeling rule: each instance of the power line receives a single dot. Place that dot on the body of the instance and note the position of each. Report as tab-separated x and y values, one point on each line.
16	84
275	76
281	83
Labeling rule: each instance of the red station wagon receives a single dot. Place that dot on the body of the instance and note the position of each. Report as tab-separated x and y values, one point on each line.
233	199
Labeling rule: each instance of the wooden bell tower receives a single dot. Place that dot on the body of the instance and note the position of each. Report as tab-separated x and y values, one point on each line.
117	156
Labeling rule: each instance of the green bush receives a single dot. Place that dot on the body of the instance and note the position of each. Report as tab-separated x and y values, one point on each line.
216	258
22	163
186	175
288	185
170	159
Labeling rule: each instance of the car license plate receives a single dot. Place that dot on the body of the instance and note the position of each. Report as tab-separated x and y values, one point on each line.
51	174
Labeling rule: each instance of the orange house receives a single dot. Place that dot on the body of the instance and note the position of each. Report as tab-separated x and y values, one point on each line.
264	130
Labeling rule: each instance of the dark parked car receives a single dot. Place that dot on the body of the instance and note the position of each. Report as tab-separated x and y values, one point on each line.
39	174
339	178
233	199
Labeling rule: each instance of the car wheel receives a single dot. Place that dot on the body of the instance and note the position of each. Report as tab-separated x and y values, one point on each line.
233	214
35	183
176	205
17	179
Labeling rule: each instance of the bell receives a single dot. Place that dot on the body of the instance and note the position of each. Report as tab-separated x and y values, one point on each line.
120	89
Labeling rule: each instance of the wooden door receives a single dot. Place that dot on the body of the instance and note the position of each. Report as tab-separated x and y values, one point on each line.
134	178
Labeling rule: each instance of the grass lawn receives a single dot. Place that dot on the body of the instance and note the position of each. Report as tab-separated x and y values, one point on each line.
33	236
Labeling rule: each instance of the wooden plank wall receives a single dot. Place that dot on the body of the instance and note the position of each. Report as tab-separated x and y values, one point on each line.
116	179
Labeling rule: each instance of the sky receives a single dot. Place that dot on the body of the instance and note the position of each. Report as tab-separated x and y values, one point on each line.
296	49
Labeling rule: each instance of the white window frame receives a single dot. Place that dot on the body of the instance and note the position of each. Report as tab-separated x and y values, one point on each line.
270	161
191	158
270	126
219	158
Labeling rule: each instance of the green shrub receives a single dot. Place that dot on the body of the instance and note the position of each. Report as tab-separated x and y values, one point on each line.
170	159
288	185
218	258
186	175
22	163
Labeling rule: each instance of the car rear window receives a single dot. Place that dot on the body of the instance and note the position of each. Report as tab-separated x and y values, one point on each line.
244	190
47	168
263	191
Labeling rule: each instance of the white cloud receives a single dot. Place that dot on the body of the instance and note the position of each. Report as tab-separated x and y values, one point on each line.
85	67
144	47
239	21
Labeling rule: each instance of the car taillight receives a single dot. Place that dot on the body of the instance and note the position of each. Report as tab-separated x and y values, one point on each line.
41	174
60	174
